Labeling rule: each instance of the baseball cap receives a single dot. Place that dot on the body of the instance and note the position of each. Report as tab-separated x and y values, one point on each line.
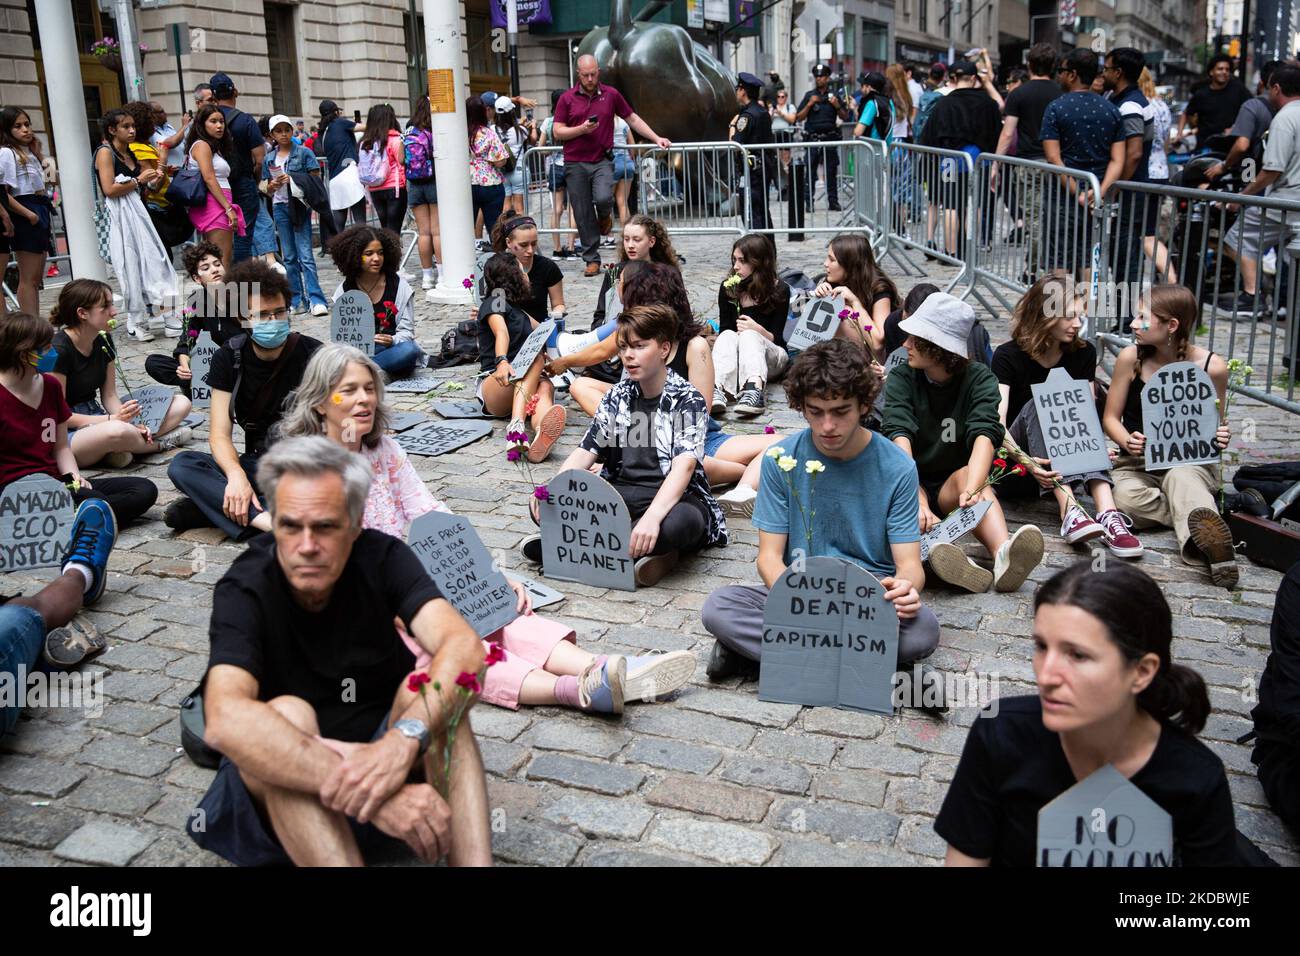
943	320
503	104
963	68
328	108
222	85
875	79
277	119
488	98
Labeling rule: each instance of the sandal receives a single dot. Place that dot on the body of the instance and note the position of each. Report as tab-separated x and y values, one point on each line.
75	642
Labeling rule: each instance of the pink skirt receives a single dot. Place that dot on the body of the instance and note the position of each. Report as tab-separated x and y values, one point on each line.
212	215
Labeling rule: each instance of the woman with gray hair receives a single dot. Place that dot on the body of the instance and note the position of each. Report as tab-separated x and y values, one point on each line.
342	398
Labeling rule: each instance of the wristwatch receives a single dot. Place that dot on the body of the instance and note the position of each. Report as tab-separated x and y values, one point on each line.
502	358
409	727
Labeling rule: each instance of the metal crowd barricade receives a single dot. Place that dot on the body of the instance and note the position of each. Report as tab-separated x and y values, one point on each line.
927	200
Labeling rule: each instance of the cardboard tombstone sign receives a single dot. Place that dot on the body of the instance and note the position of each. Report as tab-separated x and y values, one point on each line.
1068	422
154	402
1180	417
201	351
954	526
480	267
830	639
438	438
453	554
892	361
585	532
613	304
531	348
421	381
352	321
818	322
35	520
194	419
1103	821
541	595
400	421
461	409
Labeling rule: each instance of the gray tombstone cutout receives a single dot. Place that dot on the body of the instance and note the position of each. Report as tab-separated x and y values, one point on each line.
960	522
201	351
542	596
480	268
531	348
892	361
400	421
438	438
352	321
613	306
453	554
1071	430
35	520
1179	417
1104	820
154	402
818	322
421	381
461	409
585	532
830	639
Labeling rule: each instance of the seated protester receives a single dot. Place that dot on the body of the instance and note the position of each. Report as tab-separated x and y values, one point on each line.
1108	693
251	376
543	665
503	327
978	346
1277	715
310	776
594	354
942	409
45	628
851	272
1042	341
31	398
644	240
369	260
204	311
832	384
102	429
1184	496
517	234
750	347
667	496
287	171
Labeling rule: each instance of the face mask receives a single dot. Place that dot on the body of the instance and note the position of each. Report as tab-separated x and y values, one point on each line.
44	361
271	334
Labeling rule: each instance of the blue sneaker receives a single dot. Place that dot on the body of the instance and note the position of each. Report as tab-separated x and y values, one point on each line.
600	688
94	531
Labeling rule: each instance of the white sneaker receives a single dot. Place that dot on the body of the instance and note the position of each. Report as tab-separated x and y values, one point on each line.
174	439
1269	263
1016	558
172	327
320	309
738	502
655	676
278	266
140	333
427	282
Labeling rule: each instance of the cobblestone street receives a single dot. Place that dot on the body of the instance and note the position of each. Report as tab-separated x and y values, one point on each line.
712	776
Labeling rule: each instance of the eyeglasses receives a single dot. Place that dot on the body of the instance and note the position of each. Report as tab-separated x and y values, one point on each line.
279	315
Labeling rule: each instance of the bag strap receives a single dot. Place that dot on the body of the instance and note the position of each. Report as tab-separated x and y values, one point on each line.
263	396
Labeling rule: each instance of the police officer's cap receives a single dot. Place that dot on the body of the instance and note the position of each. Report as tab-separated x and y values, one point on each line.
750	82
821	69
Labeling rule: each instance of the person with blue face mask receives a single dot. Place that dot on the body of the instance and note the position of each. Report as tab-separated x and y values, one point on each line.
251	375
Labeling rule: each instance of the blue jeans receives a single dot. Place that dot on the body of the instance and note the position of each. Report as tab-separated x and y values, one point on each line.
299	261
398	360
259	238
22	632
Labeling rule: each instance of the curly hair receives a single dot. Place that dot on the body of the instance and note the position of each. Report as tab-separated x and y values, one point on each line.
257	275
503	272
862	276
196	253
832	369
1032	321
1170	301
950	362
142	113
657	283
662	250
346	248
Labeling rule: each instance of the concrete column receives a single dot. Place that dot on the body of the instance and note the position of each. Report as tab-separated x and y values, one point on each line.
444	43
128	39
68	127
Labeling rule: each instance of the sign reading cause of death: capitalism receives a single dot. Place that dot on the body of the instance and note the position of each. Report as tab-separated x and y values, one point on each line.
201	352
35	521
1179	417
1071	430
830	639
438	438
352	321
154	402
817	322
453	554
585	532
951	528
1104	820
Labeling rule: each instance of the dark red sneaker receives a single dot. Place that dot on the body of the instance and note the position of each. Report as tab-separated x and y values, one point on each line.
1122	542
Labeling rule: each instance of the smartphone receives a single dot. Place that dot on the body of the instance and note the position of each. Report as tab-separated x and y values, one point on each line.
593	119
528	113
356	117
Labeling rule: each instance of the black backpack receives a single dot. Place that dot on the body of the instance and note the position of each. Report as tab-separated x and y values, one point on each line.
459	346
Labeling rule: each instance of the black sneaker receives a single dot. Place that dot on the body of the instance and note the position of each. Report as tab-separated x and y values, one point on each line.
724	663
531	548
1242	304
184	515
834	206
750	401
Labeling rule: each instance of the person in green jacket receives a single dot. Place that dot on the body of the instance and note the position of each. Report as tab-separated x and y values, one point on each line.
942	409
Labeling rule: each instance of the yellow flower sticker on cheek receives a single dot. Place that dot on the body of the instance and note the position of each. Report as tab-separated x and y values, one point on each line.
336	398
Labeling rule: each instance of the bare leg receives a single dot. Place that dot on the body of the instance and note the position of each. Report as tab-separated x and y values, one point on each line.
31	270
59	601
568	659
471	837
992	530
1102	495
225	240
92	443
424	243
176	412
588	392
437	236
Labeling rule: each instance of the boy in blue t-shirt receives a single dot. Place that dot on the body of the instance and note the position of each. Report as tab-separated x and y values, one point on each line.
863	508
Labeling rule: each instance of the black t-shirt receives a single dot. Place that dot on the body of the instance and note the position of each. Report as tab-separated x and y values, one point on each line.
257	413
247	137
1216	110
518	324
640	459
84	373
385	323
1015	368
544	274
207	317
772	315
258	626
1012	766
1277	715
1027	103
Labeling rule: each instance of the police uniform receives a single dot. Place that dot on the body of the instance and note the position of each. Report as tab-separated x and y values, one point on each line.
753	125
822	124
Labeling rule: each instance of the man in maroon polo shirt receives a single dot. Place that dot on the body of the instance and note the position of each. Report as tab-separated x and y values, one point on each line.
584	123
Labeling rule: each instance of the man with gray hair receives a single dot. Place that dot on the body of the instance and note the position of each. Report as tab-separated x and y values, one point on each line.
314	699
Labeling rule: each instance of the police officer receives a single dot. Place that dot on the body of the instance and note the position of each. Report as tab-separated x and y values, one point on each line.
753	125
821	112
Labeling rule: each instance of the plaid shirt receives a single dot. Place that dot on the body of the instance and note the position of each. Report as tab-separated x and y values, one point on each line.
680	424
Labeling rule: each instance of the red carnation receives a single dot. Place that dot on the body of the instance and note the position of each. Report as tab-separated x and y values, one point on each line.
469	682
496	653
999	463
1019	470
415	680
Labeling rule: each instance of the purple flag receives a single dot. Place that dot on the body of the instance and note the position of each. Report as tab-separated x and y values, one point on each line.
530	11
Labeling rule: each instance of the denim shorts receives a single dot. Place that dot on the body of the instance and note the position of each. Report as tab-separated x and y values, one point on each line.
422	193
714	439
515	182
556	178
623	168
22	634
89	407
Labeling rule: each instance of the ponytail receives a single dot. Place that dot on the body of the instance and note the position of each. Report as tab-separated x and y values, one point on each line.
1177	696
79	294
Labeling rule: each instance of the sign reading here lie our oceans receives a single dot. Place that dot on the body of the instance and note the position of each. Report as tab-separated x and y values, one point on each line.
1071	430
585	532
201	351
954	526
1179	417
35	521
352	321
453	554
438	438
154	402
1104	820
830	639
817	322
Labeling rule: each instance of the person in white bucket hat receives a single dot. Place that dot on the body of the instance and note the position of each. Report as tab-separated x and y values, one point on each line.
942	409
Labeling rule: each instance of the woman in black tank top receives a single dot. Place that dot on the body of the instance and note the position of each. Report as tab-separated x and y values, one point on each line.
1183	497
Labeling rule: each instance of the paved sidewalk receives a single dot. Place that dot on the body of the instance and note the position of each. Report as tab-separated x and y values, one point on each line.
711	776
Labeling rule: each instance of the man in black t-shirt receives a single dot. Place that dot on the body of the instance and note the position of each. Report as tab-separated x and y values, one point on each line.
1021	137
250	377
314	698
1213	106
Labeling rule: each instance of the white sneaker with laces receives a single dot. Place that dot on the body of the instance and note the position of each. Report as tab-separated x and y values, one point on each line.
320	308
140	333
738	502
